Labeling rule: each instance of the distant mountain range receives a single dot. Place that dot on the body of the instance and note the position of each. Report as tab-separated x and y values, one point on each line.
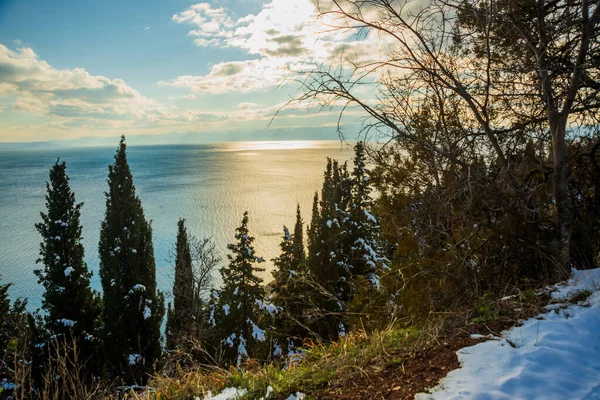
321	133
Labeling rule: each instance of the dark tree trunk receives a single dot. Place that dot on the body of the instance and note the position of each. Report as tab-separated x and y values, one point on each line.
561	195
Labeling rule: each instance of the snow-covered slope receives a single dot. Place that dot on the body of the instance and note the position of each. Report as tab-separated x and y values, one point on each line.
554	356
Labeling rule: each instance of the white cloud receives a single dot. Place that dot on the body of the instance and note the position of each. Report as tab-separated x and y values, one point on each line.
283	28
147	29
247	106
41	89
285	35
237	76
214	26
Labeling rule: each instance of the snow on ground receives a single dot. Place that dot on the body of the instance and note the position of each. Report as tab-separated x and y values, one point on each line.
235	394
554	356
226	394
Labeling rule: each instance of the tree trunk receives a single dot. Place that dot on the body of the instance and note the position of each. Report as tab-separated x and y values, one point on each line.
561	196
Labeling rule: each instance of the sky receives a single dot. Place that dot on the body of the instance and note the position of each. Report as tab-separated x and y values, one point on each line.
78	68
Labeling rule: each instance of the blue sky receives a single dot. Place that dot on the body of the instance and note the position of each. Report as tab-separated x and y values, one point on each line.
70	69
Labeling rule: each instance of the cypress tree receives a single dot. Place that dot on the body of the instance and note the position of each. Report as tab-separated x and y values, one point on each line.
72	309
241	300
133	308
313	235
299	255
181	318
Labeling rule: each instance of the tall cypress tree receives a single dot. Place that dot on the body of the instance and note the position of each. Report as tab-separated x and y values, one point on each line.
313	235
133	308
239	312
298	241
181	319
72	309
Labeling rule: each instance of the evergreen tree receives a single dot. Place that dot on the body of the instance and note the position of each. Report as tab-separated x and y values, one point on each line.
299	255
72	309
361	229
313	235
13	339
325	256
133	308
181	319
290	290
241	300
363	254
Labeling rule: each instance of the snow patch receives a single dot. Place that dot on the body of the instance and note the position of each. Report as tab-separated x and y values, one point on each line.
269	391
553	356
257	333
137	288
230	339
242	352
370	217
135	359
268	307
226	394
342	330
68	271
276	350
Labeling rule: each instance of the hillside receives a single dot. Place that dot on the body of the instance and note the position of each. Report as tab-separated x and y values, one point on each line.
540	345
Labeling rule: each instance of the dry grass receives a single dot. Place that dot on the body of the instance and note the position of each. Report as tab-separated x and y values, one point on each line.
319	366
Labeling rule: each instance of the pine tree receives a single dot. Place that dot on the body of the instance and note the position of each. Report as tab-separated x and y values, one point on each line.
290	289
361	229
363	259
133	308
181	319
325	256
72	309
241	300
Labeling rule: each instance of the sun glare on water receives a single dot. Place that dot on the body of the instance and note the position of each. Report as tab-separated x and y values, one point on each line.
275	145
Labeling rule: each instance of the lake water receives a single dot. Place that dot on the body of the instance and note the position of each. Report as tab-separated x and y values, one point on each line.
209	185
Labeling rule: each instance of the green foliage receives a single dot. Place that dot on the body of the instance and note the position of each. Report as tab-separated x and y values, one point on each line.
323	364
579	296
345	251
14	335
238	313
485	309
290	290
133	308
181	319
72	308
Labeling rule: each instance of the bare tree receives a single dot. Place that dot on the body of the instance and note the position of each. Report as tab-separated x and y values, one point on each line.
519	70
205	260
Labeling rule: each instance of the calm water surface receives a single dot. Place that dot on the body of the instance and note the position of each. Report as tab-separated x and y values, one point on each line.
209	185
